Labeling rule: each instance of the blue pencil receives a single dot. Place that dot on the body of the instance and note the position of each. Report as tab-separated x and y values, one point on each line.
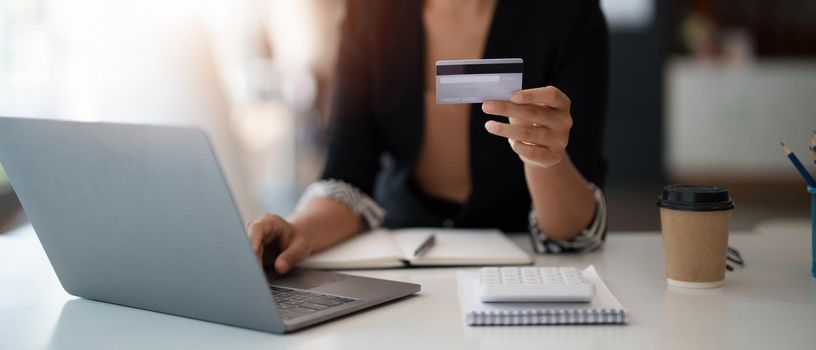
798	165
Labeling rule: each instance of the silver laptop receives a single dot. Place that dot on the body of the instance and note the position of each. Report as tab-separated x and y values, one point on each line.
141	216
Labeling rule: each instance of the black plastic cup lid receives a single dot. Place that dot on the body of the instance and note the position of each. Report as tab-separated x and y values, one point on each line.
695	198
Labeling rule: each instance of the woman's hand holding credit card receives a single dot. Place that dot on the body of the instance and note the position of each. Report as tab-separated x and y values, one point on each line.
539	118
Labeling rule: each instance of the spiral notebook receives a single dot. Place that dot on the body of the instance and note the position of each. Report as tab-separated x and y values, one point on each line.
604	309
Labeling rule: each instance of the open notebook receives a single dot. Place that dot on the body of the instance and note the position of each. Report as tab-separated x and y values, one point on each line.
603	309
395	248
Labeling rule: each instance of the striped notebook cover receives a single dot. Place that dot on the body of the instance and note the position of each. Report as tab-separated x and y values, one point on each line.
604	309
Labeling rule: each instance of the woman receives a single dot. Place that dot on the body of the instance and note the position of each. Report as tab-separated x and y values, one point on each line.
530	163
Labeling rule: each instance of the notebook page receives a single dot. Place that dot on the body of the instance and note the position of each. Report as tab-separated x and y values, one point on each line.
461	247
373	249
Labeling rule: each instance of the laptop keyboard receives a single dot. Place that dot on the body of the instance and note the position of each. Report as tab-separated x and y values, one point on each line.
294	303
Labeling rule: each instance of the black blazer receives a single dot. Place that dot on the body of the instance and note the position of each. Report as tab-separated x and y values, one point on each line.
375	132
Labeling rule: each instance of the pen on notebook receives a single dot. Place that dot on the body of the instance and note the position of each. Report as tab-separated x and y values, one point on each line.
426	245
798	165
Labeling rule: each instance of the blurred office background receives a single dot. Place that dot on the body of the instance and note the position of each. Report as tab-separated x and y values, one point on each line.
701	90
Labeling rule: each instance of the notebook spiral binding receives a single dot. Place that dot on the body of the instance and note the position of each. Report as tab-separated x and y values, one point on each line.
550	317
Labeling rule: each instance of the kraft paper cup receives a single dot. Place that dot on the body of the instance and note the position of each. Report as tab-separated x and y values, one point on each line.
695	222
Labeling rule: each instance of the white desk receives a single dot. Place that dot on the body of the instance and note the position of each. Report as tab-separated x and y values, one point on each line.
769	304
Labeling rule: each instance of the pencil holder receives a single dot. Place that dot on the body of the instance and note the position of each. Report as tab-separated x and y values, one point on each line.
813	229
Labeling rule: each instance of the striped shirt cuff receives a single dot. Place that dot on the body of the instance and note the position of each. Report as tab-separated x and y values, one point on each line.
348	195
590	238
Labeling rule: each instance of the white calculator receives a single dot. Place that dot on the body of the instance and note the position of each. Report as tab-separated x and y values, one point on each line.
534	284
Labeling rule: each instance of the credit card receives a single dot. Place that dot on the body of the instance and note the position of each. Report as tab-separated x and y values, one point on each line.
476	81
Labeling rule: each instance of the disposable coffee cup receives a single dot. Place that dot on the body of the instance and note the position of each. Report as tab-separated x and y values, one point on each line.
695	222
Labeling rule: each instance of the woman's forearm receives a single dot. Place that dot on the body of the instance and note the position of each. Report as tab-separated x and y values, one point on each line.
326	222
540	123
563	201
